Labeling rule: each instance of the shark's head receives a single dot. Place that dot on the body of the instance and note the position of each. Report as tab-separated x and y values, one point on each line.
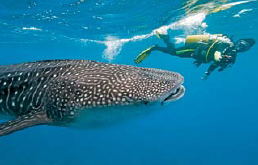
154	85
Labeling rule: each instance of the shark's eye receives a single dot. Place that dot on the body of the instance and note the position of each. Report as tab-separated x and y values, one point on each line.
146	102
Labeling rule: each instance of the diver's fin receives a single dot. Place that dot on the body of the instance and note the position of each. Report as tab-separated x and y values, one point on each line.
143	55
157	34
31	119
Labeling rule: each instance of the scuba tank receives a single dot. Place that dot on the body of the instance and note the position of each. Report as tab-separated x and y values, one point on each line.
201	38
214	41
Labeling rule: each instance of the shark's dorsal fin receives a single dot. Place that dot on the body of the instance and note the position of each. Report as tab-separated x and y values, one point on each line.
28	120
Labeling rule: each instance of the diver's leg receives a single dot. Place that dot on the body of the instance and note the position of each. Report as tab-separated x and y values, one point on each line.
163	49
143	55
166	40
183	53
170	49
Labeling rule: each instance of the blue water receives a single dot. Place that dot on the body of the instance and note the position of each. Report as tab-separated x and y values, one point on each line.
216	121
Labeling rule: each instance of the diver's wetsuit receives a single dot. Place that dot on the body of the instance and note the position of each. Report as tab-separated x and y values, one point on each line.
221	52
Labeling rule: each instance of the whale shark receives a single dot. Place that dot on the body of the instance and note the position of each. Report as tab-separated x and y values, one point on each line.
80	93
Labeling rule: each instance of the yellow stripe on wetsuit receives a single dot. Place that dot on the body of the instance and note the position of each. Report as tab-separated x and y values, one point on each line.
184	51
208	52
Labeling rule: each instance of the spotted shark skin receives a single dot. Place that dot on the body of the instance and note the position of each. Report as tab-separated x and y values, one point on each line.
57	92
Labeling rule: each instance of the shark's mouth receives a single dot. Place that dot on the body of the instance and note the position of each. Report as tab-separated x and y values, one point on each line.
175	94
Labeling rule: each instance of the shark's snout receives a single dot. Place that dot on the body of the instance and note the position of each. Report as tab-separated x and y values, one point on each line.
175	94
177	90
169	86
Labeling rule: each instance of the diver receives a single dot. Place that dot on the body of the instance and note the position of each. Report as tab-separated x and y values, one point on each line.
217	49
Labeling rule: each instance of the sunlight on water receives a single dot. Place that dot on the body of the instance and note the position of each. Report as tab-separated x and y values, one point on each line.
242	11
31	28
190	22
229	5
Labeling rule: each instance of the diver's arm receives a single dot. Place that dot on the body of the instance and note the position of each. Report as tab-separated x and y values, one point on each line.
228	62
210	70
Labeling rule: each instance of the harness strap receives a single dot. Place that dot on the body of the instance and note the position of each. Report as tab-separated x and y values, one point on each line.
184	51
208	52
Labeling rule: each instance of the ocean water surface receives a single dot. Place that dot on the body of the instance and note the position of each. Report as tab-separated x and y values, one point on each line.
216	121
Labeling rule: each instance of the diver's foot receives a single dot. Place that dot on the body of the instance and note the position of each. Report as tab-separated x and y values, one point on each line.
162	36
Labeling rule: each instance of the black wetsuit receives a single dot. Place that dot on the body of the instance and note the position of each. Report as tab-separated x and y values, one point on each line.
203	52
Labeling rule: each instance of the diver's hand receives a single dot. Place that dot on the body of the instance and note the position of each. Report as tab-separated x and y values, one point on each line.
221	69
205	77
197	64
226	56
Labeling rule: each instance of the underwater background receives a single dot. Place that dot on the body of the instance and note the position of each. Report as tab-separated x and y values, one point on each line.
216	122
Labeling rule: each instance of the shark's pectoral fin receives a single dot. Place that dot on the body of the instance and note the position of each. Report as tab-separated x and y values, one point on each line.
31	119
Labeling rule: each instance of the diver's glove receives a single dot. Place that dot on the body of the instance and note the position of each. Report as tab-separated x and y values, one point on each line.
197	63
221	69
226	59
205	77
143	55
